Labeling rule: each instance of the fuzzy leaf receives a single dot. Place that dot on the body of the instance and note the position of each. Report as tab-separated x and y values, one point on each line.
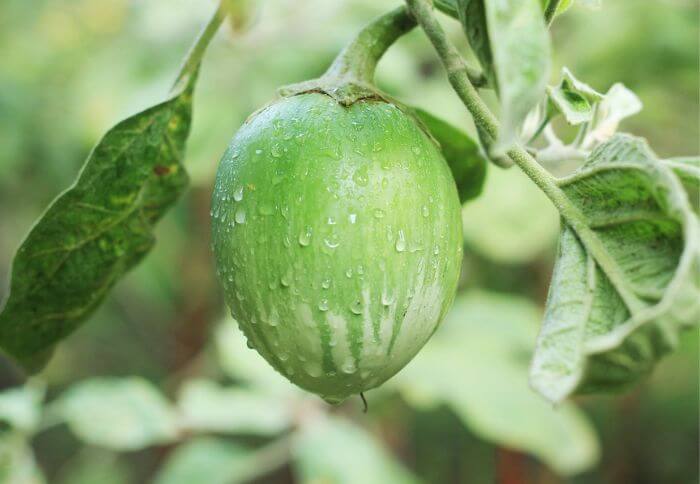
607	322
573	98
121	414
97	230
511	41
462	153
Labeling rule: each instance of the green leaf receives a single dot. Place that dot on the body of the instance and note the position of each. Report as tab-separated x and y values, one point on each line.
477	364
574	99
95	466
17	463
462	153
511	41
448	7
500	224
121	414
101	226
21	407
97	230
206	460
607	322
208	407
333	450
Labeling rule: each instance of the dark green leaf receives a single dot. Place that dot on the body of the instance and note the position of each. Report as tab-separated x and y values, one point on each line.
448	7
463	155
98	229
511	41
607	322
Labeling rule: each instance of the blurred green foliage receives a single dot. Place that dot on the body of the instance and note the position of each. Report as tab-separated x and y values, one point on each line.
71	69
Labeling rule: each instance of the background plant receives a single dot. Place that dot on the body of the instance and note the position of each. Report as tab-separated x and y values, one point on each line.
488	276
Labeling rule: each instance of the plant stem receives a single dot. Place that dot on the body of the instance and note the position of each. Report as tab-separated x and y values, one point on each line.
194	56
358	60
485	120
266	459
551	11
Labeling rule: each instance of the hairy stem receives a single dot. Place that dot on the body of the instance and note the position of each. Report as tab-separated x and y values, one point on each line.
194	56
486	121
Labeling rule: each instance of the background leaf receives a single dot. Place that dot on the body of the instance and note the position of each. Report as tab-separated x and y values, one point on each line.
121	414
21	406
206	406
97	230
335	451
462	153
608	322
204	459
17	463
573	98
512	221
477	364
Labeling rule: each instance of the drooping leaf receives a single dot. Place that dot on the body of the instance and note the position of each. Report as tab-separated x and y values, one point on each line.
335	451
462	153
610	317
618	103
204	459
511	41
17	462
573	98
101	226
121	414
21	407
208	407
477	364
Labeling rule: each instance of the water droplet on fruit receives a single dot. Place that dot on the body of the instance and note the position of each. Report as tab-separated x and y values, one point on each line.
425	211
332	241
305	236
401	242
326	283
258	152
353	218
378	213
238	194
416	150
323	305
240	215
348	273
356	307
276	151
349	366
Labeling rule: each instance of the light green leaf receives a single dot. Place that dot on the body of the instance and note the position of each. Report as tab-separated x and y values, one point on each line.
512	221
608	321
477	364
206	406
510	39
95	466
618	104
573	98
21	406
462	153
121	414
17	463
206	460
334	451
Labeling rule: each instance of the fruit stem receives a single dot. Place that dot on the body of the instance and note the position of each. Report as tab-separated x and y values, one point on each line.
358	60
194	56
486	121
